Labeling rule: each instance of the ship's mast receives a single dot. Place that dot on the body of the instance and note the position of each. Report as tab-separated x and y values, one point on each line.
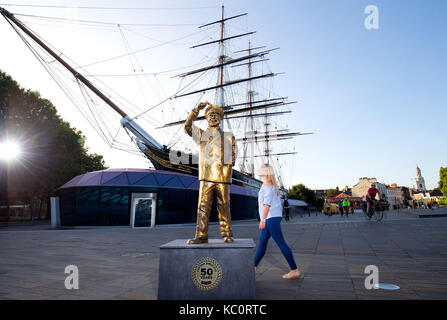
252	136
221	61
221	90
251	169
250	101
267	146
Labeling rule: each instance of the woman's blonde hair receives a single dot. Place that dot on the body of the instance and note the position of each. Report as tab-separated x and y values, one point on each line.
271	176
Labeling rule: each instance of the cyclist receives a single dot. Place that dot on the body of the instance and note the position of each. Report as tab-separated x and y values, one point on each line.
371	197
346	206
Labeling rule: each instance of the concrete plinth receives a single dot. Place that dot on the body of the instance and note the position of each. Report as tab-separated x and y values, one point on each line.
211	271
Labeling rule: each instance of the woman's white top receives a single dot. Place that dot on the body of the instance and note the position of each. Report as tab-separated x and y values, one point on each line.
267	196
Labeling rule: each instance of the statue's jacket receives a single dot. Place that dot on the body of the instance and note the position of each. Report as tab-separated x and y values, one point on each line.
217	151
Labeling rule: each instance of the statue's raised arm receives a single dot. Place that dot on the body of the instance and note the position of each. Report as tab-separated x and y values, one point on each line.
193	116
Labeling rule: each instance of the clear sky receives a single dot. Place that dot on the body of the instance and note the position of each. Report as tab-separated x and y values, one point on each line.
375	99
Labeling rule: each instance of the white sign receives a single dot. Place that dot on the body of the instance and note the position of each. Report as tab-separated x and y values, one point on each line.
72	280
372	281
372	20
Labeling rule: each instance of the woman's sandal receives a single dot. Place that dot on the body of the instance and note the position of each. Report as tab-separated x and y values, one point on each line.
292	275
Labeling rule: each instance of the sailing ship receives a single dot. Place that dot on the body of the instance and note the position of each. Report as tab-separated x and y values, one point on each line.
252	108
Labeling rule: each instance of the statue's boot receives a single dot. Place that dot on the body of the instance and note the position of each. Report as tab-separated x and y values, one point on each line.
197	240
201	228
225	222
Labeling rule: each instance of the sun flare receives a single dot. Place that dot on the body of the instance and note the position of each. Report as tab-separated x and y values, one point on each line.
9	150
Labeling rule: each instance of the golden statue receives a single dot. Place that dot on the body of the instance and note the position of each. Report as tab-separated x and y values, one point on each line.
217	155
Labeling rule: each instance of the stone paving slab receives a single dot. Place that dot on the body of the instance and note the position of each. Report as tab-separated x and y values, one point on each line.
425	213
332	253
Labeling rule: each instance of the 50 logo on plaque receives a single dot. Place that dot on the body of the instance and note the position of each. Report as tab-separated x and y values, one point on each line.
206	273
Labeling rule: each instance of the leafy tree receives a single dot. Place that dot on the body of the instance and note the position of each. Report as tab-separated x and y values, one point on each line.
443	180
319	203
52	151
332	192
301	192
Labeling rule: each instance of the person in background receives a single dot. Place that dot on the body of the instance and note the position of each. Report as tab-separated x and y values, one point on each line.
270	213
286	209
327	206
346	206
340	208
363	206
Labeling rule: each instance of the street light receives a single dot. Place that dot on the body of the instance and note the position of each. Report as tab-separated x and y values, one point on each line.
9	151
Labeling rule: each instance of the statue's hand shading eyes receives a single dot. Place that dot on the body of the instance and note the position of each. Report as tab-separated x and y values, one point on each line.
202	105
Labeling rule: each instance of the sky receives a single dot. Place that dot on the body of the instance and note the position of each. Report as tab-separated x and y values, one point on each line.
374	99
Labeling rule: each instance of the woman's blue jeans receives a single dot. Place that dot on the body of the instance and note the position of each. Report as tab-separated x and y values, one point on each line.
273	228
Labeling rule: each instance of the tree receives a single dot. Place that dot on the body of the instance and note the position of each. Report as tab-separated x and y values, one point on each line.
301	192
319	203
443	180
332	192
52	151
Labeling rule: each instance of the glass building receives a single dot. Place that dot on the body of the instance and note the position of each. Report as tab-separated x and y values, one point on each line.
141	198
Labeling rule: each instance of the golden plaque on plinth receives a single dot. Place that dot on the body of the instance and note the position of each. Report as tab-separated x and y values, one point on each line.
206	273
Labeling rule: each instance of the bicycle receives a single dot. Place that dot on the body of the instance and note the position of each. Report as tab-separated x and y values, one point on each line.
346	211
377	209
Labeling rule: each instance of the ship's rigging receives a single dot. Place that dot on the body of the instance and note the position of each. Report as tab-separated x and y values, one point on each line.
252	112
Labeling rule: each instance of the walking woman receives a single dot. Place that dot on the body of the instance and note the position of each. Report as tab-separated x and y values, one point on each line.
270	213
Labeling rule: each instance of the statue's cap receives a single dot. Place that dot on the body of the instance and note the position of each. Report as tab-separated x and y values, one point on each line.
211	107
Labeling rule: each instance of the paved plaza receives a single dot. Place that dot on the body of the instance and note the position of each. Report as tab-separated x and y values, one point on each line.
332	252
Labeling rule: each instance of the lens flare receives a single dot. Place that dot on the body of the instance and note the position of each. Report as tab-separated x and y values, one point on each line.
9	150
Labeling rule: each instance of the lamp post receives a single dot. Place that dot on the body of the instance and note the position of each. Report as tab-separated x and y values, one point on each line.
4	204
9	151
3	170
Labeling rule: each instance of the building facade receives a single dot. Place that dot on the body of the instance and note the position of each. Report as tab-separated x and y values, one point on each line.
141	198
427	196
395	196
361	188
406	193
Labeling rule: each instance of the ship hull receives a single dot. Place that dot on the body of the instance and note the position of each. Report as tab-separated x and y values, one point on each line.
161	161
